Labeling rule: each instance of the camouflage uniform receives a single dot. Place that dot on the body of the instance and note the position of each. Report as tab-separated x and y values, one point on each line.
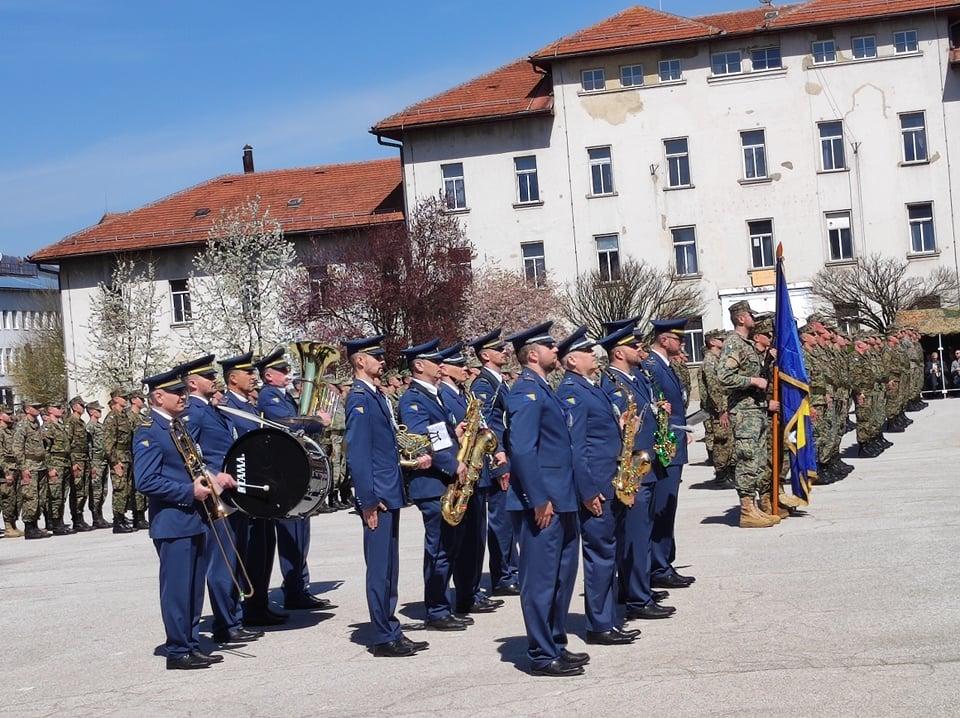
338	427
56	439
31	458
713	400
10	488
98	467
820	401
891	361
682	371
863	380
138	501
77	480
739	362
118	447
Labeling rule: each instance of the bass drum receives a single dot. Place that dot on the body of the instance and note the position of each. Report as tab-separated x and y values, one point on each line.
279	475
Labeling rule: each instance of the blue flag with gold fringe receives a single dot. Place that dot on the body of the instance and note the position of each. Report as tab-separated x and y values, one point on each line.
794	394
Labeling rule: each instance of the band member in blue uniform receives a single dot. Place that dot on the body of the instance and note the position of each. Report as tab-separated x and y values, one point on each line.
492	487
543	502
622	379
594	424
293	535
374	464
212	433
240	379
466	569
422	412
177	521
667	343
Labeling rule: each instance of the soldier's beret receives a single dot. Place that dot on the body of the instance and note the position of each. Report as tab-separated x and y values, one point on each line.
135	395
741	306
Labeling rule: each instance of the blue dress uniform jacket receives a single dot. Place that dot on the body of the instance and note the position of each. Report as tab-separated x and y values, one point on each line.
501	542
665	380
374	463
614	382
418	410
238	425
211	431
595	434
293	535
542	470
178	530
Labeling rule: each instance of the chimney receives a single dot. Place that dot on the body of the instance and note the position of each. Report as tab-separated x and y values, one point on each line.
247	159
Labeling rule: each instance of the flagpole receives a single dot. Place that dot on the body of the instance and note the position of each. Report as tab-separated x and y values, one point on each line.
775	431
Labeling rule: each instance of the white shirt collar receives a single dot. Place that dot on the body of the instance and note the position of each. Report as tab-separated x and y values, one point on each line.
496	374
629	376
162	413
240	397
452	386
429	387
204	399
372	387
666	362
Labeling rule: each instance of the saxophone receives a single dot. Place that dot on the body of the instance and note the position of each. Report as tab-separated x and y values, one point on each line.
630	469
477	443
664	440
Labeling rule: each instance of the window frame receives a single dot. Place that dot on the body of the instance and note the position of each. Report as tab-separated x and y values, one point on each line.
632	67
185	310
669	64
751	235
593	73
853	47
768	67
933	228
906	50
689	248
913	132
608	257
832	139
681	157
520	175
538	263
825	61
694	349
827	216
744	148
726	55
608	161
456	207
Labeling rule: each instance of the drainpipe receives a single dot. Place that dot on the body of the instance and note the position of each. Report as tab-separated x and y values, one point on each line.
566	139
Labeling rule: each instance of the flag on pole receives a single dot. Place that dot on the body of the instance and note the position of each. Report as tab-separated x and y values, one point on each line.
794	393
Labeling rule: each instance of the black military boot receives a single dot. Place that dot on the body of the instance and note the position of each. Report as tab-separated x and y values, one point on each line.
867	450
79	524
140	521
98	521
32	531
905	419
61	529
842	466
120	526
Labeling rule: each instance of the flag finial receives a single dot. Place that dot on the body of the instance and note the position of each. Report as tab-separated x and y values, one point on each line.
779	250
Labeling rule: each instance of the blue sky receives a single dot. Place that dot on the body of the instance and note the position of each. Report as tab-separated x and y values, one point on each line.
109	104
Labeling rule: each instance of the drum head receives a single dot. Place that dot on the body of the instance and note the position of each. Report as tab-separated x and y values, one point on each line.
272	470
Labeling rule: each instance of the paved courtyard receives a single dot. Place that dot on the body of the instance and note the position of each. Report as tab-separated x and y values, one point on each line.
852	609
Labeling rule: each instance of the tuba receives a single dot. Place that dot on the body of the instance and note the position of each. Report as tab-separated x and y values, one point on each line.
315	360
477	443
630	469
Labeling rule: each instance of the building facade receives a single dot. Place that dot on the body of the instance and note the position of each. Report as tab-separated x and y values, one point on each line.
703	143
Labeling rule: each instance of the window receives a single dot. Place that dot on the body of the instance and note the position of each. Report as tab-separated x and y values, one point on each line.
28	320
905	41
847	318
5	320
928	301
608	255
824	51
693	340
922	239
864	47
914	131
180	300
831	146
534	267
726	63
18	320
670	70
685	251
761	243
454	191
631	75
840	236
678	162
601	170
528	187
754	154
592	80
766	58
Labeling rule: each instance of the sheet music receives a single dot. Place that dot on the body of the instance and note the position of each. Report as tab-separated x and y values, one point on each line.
439	436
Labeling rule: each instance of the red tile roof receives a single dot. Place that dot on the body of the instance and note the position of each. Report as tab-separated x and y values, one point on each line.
744	21
633	27
819	12
333	197
516	89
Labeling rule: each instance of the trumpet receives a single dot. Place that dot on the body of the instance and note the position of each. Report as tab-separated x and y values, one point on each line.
213	505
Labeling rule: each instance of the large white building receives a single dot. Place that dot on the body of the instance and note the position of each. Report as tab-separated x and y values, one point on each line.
831	126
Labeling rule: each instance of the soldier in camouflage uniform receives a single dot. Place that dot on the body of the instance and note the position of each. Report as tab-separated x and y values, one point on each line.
738	372
895	370
821	404
138	501
713	400
31	458
338	428
682	370
56	441
78	479
97	461
841	353
10	488
118	448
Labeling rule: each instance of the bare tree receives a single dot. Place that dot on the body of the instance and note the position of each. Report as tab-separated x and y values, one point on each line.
500	297
126	344
39	369
237	283
876	288
642	291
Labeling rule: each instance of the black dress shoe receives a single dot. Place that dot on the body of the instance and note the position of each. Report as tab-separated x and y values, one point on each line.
659	595
687	579
608	638
306	602
629	632
574	659
188	662
209	658
511	589
650	611
263	618
477	607
414	645
393	649
447	623
558	669
668	581
464	619
236	635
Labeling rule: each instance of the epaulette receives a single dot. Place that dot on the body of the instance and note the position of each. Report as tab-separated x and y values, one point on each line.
147	422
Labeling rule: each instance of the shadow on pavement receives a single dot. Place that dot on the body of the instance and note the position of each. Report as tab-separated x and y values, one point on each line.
513	649
710	485
731	517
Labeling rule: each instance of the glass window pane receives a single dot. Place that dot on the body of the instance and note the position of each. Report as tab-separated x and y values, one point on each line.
753	137
920	211
533	249
526	163
676	146
453	170
599	153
